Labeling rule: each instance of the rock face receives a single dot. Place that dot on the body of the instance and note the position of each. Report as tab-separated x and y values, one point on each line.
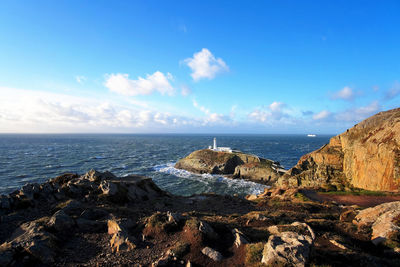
239	164
366	156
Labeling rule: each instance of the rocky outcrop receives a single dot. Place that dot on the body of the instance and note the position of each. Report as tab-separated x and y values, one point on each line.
384	221
98	219
366	156
238	164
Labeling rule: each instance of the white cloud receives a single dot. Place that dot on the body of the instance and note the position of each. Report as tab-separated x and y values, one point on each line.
346	94
274	112
321	115
276	106
39	111
80	78
205	65
259	115
121	84
359	113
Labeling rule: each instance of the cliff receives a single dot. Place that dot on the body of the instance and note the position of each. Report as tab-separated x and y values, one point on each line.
238	164
366	156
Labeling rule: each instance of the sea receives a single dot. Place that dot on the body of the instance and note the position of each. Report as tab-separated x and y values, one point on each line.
35	158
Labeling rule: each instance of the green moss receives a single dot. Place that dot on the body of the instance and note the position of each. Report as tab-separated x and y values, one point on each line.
356	192
254	254
301	196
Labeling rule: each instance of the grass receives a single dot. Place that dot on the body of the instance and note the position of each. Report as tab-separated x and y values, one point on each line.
254	254
301	197
356	192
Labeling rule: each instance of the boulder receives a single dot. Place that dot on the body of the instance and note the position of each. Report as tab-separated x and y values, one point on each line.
73	207
212	254
33	238
288	249
207	230
61	222
381	219
366	156
30	190
288	245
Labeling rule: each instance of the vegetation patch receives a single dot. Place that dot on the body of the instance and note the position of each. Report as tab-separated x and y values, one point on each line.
254	254
356	192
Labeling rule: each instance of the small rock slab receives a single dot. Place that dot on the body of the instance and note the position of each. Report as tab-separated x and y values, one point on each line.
212	254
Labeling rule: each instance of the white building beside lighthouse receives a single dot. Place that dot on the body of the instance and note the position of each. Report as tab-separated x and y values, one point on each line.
219	149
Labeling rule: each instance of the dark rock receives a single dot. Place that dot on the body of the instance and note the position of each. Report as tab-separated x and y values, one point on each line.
94	214
30	190
5	202
91	226
95	176
61	222
108	188
207	230
33	238
73	207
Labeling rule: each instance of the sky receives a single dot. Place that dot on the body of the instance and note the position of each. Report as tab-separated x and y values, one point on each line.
263	67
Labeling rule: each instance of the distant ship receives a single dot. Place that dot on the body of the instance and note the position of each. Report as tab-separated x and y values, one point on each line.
311	135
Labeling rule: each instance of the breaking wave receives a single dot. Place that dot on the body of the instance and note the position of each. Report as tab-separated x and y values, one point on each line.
240	186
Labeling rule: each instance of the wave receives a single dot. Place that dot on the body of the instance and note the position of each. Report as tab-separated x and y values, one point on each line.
240	185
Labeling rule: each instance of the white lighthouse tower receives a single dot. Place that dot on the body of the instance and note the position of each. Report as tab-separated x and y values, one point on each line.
215	144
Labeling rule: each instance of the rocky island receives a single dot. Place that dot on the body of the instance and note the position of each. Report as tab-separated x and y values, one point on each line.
236	164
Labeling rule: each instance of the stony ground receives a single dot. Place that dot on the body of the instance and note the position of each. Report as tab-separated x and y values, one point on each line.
83	220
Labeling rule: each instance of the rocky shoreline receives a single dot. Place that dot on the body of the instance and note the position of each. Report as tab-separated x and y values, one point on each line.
100	219
367	156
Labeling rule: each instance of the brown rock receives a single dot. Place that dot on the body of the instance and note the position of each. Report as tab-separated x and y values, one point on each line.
239	164
366	156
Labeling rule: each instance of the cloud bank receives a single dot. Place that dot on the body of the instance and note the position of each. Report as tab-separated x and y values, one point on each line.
156	82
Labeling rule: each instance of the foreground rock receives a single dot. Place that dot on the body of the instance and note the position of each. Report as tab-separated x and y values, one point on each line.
238	164
366	156
98	219
384	221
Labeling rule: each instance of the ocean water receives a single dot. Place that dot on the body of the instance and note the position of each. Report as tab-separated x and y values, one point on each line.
36	158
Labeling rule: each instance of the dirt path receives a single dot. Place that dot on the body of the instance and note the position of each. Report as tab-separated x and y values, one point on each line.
362	201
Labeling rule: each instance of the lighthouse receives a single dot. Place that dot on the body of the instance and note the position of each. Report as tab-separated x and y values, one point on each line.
215	144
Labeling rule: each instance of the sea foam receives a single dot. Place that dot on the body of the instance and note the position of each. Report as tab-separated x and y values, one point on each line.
233	184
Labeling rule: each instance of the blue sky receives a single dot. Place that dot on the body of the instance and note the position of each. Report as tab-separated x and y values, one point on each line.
196	66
